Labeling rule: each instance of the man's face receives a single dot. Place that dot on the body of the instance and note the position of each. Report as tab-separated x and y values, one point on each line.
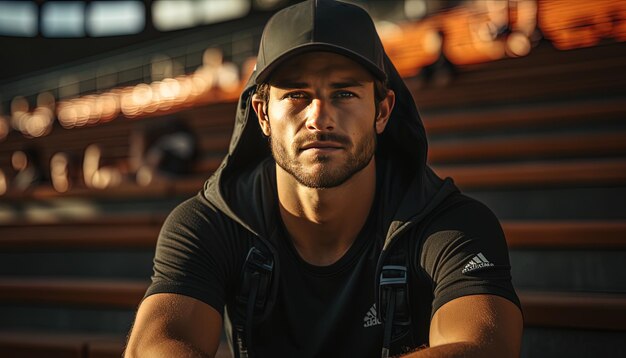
321	118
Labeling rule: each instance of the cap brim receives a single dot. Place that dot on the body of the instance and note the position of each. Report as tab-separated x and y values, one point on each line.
264	74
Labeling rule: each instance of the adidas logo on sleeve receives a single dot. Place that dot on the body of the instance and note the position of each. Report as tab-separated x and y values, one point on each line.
478	261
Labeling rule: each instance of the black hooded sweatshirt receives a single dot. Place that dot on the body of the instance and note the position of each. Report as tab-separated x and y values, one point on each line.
455	244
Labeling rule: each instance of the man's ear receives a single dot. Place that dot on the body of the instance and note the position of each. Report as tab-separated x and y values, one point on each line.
384	111
260	108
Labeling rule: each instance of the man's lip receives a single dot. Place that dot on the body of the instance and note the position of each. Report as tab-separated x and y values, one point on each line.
321	145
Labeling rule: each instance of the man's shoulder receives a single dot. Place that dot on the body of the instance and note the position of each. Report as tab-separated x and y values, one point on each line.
460	210
198	217
459	219
194	208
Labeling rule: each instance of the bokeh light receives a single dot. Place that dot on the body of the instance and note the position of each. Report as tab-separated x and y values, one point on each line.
105	178
59	172
46	100
19	160
518	44
4	185
39	123
66	113
228	77
91	162
110	106
142	95
97	177
4	127
19	109
144	176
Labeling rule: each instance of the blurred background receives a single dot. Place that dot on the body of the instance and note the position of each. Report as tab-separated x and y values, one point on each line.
113	112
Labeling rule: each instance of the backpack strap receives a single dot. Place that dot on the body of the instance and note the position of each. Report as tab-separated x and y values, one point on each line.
254	295
394	283
393	301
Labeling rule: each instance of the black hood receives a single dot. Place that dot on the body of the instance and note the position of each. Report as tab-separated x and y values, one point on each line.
244	186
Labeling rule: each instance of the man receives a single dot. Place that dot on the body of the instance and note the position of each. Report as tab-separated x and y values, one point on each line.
340	199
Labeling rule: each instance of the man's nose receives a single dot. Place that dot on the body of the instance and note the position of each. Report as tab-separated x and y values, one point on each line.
318	116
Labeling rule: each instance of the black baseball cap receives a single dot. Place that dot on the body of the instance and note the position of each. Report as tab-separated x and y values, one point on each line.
320	25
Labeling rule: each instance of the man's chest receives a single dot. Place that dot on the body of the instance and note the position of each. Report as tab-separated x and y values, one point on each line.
330	311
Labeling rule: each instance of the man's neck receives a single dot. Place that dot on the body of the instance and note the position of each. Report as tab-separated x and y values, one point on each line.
323	223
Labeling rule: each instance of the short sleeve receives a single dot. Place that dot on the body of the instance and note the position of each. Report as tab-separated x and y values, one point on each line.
465	253
196	254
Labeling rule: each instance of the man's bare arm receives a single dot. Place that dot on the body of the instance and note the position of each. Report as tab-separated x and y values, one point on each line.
172	325
475	326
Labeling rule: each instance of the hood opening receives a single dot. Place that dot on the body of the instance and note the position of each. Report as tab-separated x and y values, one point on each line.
240	185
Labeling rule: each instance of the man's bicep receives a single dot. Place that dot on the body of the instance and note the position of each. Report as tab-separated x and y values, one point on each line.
171	324
464	254
491	323
197	255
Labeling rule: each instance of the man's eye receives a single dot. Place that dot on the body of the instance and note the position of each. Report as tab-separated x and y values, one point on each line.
295	95
344	94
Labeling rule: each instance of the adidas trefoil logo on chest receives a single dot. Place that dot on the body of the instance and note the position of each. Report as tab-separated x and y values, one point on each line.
478	261
370	317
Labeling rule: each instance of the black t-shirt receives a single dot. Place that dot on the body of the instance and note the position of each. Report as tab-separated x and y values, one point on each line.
330	310
325	311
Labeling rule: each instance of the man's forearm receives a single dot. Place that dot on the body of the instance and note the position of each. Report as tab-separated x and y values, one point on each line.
165	348
450	350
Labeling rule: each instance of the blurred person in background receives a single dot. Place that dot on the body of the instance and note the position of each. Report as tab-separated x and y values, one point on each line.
163	150
336	239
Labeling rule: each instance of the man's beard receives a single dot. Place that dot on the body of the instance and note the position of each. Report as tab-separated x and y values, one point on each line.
326	177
